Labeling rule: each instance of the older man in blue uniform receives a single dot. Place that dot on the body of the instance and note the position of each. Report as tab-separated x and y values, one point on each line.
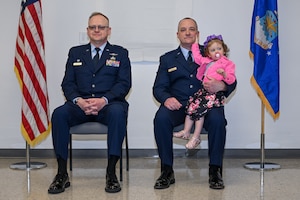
96	82
175	82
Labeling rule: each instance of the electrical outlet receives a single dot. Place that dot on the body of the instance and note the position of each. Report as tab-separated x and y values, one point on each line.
83	38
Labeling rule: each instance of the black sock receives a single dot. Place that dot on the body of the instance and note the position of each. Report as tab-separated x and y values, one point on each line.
167	168
214	168
111	166
62	166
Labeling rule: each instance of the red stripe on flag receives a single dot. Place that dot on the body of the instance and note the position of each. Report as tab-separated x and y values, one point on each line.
27	127
33	109
36	18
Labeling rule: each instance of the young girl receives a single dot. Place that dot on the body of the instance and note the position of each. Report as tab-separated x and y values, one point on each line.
215	65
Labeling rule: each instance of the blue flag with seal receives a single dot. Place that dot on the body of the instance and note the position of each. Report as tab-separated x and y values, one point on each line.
264	51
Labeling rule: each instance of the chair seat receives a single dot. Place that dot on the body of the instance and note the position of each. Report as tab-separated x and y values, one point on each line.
89	128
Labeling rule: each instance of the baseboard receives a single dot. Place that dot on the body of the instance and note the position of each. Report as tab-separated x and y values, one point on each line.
152	153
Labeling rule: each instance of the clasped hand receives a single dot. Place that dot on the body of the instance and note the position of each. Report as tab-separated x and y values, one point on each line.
91	106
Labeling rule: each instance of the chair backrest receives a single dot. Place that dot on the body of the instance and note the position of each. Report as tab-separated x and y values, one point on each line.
89	128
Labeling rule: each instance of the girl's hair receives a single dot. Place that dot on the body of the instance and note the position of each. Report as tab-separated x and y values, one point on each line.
213	38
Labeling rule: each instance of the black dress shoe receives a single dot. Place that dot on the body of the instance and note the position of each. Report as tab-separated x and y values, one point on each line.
165	180
60	182
215	180
112	184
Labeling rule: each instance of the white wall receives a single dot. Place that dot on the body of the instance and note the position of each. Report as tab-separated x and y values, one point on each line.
148	29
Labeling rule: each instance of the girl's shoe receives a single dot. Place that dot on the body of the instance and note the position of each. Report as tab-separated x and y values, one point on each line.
193	143
182	135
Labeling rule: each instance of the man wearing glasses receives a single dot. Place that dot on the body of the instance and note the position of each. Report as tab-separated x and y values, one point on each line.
96	81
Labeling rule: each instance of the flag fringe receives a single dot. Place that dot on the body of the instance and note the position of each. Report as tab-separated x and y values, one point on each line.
18	77
264	99
251	55
42	136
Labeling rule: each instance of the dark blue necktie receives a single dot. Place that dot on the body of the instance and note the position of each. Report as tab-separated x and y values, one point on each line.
190	59
96	57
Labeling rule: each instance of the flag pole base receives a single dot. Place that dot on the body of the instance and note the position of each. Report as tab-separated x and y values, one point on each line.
28	165
24	165
265	166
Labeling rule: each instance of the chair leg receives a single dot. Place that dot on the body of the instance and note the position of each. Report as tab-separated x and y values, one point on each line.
70	149
127	153
121	166
121	157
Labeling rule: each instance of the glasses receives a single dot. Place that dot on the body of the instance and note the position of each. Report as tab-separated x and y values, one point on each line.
101	28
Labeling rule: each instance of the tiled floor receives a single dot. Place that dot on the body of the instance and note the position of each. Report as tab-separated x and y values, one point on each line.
191	174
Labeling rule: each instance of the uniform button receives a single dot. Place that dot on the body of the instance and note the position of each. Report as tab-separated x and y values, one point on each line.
93	95
93	85
94	75
191	86
191	75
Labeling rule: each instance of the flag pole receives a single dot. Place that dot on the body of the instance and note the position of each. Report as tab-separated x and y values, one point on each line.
262	164
28	165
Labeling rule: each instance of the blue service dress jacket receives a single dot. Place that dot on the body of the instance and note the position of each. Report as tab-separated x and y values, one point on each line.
110	78
175	78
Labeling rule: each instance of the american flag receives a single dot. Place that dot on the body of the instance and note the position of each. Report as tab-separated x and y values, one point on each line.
31	72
